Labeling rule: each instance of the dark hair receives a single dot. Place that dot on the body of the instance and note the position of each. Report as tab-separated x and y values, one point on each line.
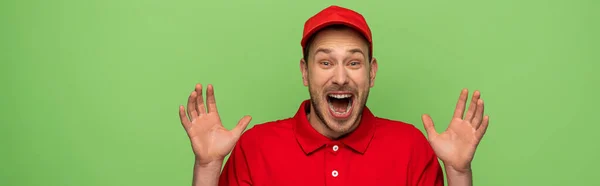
330	27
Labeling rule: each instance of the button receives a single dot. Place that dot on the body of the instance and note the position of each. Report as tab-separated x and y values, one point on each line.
334	173
335	148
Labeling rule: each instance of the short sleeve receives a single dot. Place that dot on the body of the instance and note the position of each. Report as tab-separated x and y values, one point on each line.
236	171
424	168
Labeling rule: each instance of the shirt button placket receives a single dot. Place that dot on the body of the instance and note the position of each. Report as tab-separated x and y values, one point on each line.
333	161
334	149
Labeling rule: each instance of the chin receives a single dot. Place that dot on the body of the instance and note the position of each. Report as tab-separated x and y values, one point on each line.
341	110
338	110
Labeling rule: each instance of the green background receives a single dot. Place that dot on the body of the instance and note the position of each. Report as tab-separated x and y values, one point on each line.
90	89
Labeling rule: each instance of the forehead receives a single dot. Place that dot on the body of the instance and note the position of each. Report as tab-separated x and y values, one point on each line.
338	37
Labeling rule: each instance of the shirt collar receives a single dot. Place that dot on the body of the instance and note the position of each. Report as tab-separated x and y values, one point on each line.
310	140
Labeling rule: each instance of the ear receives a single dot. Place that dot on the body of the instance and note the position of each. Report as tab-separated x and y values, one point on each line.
373	71
304	70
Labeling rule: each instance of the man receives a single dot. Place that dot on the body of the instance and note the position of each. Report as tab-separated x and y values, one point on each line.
333	139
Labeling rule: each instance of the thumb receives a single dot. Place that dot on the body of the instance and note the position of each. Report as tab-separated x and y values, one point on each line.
242	125
429	127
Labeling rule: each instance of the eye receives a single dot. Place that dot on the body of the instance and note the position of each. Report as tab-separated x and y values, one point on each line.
325	64
354	63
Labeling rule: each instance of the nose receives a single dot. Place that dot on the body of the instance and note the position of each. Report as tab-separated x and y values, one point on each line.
340	76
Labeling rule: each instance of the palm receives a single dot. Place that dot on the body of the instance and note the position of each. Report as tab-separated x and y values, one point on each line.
210	140
456	145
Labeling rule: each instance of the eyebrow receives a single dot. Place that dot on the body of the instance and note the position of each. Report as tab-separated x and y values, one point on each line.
356	50
327	51
324	50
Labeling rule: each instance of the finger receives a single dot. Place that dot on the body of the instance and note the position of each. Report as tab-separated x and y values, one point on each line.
476	122
184	120
460	105
210	99
484	125
200	100
242	125
428	125
191	106
472	106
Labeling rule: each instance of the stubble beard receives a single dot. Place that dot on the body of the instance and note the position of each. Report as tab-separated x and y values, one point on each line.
350	124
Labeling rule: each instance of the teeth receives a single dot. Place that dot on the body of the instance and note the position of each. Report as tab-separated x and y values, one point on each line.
340	113
340	96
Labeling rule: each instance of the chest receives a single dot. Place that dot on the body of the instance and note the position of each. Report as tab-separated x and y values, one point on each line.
331	165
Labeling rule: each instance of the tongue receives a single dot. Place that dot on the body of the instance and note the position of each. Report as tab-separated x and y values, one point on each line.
340	105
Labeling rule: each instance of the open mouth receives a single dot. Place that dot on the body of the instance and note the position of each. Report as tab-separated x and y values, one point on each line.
340	104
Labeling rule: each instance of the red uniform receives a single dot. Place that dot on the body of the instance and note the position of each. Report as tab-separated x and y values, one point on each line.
290	152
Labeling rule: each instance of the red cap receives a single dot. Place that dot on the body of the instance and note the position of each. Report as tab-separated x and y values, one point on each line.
334	15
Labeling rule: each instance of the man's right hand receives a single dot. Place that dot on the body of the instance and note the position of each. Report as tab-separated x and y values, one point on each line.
211	141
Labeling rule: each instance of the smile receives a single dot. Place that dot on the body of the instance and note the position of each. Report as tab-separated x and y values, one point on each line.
340	104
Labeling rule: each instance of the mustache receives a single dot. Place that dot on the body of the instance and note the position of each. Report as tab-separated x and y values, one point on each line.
340	88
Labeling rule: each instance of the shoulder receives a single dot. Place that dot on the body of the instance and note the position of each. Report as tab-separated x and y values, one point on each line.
265	132
398	131
396	127
405	136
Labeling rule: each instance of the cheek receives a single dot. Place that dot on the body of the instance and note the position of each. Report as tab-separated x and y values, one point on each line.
361	79
318	78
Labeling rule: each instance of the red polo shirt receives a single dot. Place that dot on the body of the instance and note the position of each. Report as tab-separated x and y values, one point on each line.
290	152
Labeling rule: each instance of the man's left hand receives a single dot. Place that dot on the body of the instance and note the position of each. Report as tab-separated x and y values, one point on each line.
456	146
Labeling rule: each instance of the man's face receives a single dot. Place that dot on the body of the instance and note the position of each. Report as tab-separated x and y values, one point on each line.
339	76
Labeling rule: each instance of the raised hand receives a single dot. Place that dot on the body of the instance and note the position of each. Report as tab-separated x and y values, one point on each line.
210	140
456	146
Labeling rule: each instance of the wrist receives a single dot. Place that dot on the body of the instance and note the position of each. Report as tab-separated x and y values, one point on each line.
206	172
460	176
458	171
216	164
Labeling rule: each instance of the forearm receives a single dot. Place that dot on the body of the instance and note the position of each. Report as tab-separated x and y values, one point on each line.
207	174
459	178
